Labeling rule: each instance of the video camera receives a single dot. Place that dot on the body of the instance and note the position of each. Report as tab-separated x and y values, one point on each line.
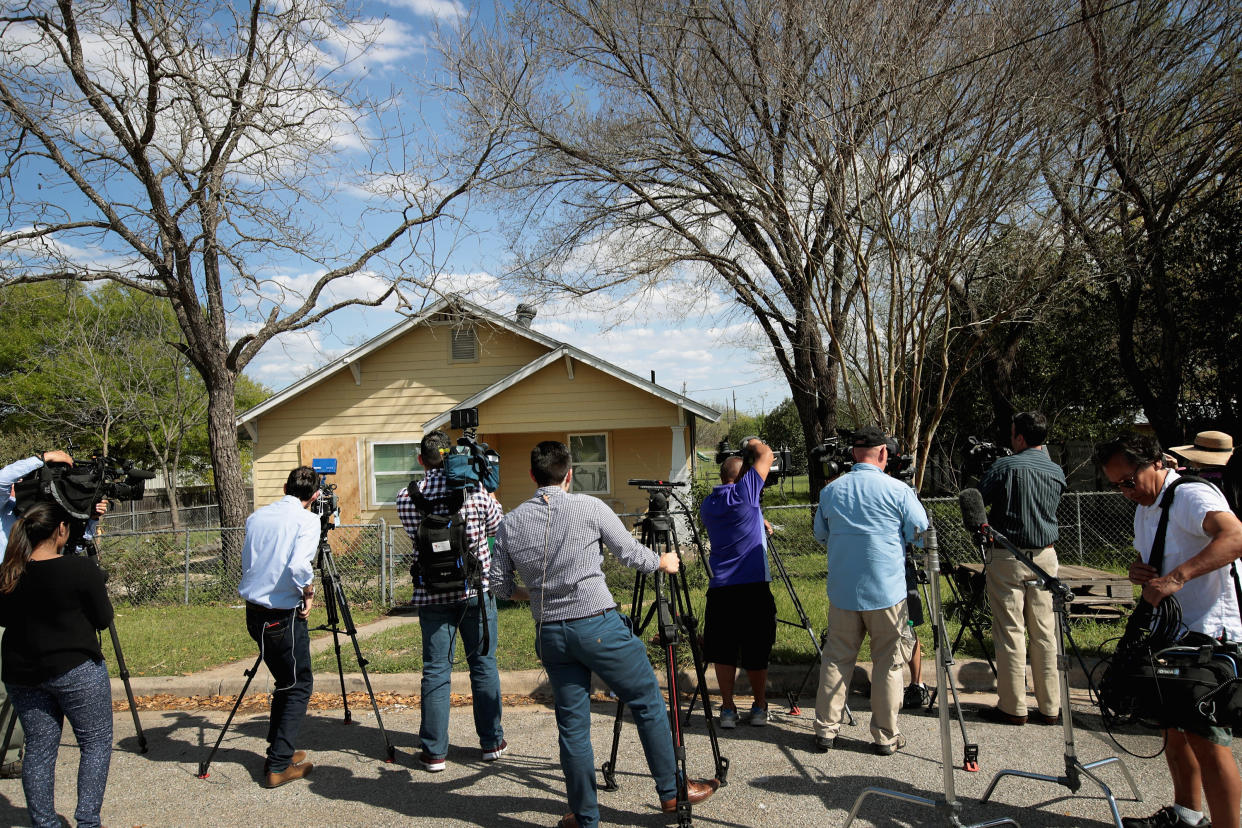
980	455
781	463
327	505
79	487
470	460
836	456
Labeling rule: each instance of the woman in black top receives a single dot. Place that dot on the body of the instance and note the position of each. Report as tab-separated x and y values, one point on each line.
52	607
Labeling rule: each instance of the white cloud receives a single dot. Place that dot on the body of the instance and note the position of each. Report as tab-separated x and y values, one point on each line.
448	10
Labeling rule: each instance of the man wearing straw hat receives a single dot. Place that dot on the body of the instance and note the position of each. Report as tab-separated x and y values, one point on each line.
1209	453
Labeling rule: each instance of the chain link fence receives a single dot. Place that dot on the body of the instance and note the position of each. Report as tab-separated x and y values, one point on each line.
1097	530
203	566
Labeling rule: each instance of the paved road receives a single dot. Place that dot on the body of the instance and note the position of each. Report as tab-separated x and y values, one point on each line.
774	780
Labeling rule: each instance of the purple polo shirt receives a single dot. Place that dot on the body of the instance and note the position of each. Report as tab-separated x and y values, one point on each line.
734	524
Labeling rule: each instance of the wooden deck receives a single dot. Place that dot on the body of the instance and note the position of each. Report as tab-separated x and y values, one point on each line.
1097	594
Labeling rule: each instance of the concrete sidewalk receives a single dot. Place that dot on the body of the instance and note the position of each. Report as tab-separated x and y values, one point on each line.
773	778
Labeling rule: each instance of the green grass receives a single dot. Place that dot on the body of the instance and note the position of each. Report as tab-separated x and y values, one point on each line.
178	639
400	650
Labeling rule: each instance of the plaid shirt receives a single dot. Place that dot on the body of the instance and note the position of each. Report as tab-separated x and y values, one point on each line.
482	520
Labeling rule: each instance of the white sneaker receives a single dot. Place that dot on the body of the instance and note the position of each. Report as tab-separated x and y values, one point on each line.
728	718
759	717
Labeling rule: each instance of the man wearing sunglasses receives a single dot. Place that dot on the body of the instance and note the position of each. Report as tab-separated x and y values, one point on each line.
1203	540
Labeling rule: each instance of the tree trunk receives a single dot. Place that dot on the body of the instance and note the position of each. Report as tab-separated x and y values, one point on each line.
226	465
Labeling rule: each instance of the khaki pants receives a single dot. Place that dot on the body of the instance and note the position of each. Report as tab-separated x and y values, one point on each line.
1016	605
892	641
15	743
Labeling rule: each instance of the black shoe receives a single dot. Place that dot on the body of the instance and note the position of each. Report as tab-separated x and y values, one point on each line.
997	716
890	748
1044	719
1166	817
916	696
823	744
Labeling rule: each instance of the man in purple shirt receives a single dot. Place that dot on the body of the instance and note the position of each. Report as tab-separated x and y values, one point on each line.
739	628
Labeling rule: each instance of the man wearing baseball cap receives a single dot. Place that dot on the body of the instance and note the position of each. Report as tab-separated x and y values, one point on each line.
866	518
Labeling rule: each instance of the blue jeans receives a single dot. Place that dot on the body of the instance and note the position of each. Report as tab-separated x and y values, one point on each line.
440	624
84	695
284	641
604	645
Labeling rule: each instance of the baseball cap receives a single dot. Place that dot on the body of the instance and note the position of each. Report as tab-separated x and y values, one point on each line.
868	437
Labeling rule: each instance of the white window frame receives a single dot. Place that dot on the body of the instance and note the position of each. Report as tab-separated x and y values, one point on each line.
607	464
417	474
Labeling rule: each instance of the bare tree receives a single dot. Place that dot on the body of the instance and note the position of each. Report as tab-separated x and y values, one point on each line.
202	153
831	167
1149	102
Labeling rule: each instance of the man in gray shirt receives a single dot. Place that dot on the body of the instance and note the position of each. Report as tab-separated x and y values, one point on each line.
552	542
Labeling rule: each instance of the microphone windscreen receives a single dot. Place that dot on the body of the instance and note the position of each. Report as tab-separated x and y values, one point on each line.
974	514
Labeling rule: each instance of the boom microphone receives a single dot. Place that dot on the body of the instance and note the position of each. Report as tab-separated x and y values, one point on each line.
974	515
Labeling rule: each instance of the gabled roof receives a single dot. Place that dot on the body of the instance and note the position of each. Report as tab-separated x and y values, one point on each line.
567	350
557	349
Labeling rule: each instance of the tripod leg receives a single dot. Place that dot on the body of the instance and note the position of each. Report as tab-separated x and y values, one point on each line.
681	595
129	690
202	766
609	769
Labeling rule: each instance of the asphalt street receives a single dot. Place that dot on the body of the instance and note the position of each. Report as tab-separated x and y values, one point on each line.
774	779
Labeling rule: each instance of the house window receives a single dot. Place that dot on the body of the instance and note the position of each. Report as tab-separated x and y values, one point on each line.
588	453
393	465
465	344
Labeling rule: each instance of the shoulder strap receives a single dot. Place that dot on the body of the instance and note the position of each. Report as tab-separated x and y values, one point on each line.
455	499
1156	559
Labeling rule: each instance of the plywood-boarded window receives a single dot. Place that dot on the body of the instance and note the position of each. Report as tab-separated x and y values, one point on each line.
465	344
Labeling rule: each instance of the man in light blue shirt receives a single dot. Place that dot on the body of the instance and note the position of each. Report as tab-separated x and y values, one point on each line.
866	518
278	560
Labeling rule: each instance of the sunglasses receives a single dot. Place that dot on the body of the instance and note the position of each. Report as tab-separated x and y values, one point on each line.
1130	482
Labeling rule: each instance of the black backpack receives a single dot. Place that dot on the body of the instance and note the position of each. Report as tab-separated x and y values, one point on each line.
445	562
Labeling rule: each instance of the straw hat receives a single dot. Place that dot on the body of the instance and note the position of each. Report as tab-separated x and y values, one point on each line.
1210	448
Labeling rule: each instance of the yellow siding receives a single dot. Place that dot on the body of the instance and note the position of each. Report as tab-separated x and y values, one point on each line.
403	385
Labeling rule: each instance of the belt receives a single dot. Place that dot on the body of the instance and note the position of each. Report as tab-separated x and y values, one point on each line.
268	610
592	615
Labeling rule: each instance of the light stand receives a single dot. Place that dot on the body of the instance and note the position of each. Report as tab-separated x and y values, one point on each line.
1074	769
949	809
674	614
334	598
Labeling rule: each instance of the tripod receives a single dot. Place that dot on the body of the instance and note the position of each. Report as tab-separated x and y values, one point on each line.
337	606
1074	769
950	808
969	592
805	623
676	623
87	545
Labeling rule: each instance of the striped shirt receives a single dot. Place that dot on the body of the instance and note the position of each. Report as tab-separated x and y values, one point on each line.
482	519
1022	493
552	542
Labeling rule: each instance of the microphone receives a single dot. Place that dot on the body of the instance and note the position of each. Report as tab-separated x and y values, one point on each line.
974	515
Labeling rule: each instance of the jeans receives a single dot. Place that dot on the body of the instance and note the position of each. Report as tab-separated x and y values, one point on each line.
284	642
571	651
84	695
440	624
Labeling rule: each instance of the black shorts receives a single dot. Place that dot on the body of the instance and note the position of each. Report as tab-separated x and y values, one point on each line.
740	626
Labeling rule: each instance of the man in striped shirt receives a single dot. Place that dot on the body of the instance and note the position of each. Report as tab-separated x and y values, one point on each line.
1022	493
441	615
552	541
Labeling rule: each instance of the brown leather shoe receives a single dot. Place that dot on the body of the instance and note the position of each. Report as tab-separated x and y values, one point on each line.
299	756
997	716
696	792
1044	718
275	780
568	821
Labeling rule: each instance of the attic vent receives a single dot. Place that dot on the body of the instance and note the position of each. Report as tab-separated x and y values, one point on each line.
465	344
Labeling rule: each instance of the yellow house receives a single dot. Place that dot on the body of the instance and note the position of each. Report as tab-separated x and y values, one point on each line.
369	408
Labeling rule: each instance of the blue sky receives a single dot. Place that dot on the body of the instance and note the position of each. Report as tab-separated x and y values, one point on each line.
709	351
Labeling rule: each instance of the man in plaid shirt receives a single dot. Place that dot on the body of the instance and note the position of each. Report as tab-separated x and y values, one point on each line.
442	614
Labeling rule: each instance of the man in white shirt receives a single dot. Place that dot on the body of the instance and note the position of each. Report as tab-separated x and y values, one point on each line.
277	582
1203	540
